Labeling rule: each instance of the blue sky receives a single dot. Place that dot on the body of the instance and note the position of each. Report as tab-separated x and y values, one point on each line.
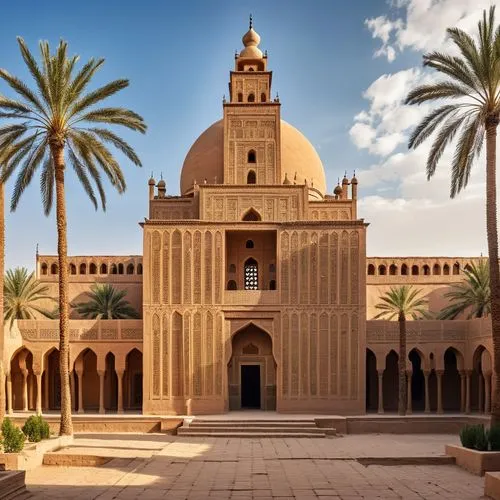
177	56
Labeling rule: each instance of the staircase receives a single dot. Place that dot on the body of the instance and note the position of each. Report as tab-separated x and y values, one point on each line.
253	428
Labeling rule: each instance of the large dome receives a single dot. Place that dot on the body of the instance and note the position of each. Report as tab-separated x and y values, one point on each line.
299	160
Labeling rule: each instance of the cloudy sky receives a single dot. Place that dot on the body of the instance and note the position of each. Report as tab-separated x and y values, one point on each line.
341	70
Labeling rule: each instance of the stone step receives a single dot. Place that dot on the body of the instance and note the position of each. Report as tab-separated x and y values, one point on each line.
252	420
12	485
236	428
249	434
198	424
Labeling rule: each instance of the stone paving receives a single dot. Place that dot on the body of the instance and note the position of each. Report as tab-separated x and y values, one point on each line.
281	468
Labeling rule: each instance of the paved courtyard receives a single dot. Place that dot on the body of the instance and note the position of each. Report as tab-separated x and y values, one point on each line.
150	466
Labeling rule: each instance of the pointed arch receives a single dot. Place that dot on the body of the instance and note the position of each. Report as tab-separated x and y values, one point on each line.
251	215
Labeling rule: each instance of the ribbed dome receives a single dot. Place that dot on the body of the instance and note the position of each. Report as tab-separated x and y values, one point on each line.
299	160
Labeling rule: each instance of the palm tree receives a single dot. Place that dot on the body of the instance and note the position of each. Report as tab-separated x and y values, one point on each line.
472	294
22	293
2	266
106	302
51	126
471	110
402	302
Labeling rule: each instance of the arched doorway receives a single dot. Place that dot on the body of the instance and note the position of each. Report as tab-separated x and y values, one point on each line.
110	384
417	381
51	381
451	381
390	382
23	381
371	381
132	380
252	370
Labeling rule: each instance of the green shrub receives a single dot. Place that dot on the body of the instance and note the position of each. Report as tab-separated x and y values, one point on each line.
481	439
12	437
494	438
36	429
474	437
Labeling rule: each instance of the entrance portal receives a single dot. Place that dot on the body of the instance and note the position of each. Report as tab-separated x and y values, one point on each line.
250	386
252	370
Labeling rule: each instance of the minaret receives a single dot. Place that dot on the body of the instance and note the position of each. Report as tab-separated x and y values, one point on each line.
252	146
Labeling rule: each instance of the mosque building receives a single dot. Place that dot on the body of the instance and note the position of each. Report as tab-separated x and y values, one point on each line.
254	291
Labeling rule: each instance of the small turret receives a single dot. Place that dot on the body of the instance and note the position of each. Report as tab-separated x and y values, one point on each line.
345	186
354	184
287	180
338	190
162	188
151	184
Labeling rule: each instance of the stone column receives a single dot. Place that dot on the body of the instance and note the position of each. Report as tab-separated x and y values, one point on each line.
119	376
487	393
409	409
72	384
467	391
427	395
25	390
462	391
79	374
439	376
46	390
39	393
101	390
380	374
480	392
9	393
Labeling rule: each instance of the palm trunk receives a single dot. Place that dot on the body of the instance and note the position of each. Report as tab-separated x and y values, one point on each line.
66	427
492	236
402	365
2	333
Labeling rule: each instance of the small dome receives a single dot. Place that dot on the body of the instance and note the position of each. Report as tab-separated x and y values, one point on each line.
162	184
345	180
251	40
287	180
354	180
151	182
338	190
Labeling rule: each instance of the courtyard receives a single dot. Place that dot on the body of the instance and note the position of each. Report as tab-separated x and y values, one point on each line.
150	466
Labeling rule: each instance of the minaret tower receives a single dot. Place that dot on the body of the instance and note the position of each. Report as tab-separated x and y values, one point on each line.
251	119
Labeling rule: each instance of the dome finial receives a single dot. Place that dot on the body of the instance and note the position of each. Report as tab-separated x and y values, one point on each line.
251	22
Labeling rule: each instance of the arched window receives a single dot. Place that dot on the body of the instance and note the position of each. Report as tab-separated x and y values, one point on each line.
83	268
446	270
272	285
393	270
72	269
139	268
272	268
240	97
114	269
468	268
371	270
427	270
249	244
456	268
251	177
414	270
92	268
251	157
231	285
54	269
382	271
130	269
263	97
436	269
120	268
252	215
251	97
404	270
44	269
251	275
104	269
232	268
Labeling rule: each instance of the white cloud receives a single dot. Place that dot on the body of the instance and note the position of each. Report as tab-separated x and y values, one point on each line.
422	24
362	135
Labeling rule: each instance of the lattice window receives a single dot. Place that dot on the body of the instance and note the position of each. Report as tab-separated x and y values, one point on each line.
251	275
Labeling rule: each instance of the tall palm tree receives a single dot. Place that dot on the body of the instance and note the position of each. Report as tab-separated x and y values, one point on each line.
472	295
52	126
402	302
471	89
22	294
106	302
2	339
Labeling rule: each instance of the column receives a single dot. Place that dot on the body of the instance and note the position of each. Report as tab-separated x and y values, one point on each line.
72	384
462	391
480	392
39	393
487	393
9	394
380	374
467	391
46	389
119	375
439	376
25	390
80	391
408	392
427	395
101	390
